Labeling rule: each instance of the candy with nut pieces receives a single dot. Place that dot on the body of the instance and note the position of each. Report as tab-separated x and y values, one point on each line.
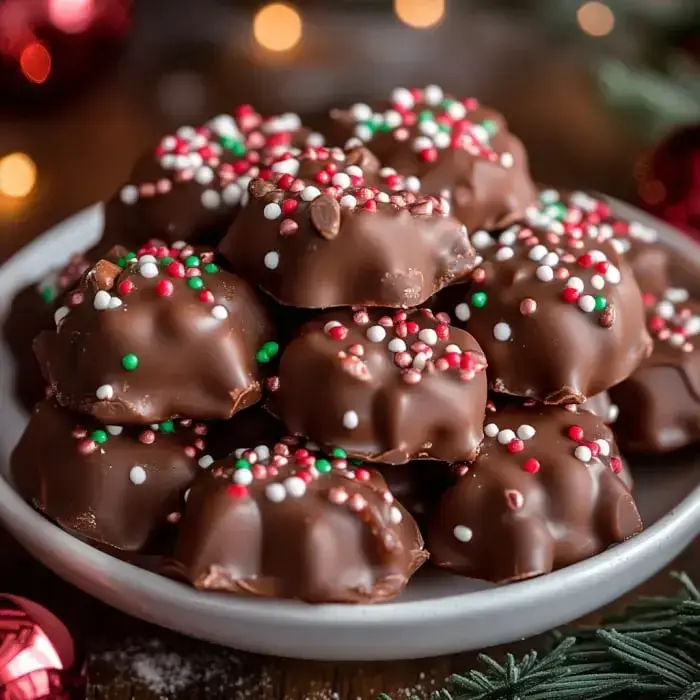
385	386
283	521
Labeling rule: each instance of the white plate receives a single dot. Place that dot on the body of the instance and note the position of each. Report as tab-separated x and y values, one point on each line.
438	614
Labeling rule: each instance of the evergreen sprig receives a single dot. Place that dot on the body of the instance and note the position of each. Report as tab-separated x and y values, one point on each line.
650	651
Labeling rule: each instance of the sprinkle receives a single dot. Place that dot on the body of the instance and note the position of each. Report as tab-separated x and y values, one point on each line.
137	475
219	312
491	430
148	270
463	533
544	273
210	199
195	283
129	194
272	211
351	420
583	453
479	299
376	334
295	487
537	252
309	193
348	201
428	336
597	282
505	436
236	491
587	303
114	429
526	432
272	260
515	446
205	461
104	392
575	432
130	362
101	300
462	312
502	331
514	499
575	283
616	464
396	345
603	446
528	306
165	288
243	477
60	313
276	492
531	465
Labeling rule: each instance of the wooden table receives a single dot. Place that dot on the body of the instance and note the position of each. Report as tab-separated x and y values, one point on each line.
84	149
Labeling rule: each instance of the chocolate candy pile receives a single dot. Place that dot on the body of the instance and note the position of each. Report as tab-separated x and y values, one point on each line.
285	360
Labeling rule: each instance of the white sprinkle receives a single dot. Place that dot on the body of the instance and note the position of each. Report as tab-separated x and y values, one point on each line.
376	334
238	453
272	211
490	430
480	133
315	140
402	96
502	332
275	493
341	180
428	128
412	183
504	254
457	110
613	275
243	477
433	94
550	259
428	336
137	475
395	515
210	199
507	160
692	325
383	197
537	252
219	312
272	260
114	429
583	453
115	303
422	143
205	461
263	452
295	486
330	325
354	171
348	201
361	112
442	139
288	165
186	132
508	237
544	273
419	361
148	270
604	446
481	240
168	161
60	313
453	348
101	300
104	392
597	282
147	258
463	533
231	194
129	194
204	175
351	420
385	172
396	345
677	295
587	303
506	436
526	432
665	309
463	312
364	133
676	339
575	283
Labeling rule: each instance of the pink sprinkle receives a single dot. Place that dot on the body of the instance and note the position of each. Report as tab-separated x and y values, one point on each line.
514	499
386	322
441	364
288	227
86	447
190	452
164	186
259	471
361	318
403	359
411	376
338	496
147	437
147	189
357	502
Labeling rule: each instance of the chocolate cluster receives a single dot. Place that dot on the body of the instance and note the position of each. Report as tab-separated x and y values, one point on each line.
391	334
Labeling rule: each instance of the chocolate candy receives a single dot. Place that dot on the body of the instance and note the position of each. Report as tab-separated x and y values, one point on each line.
660	403
286	522
335	239
113	485
455	147
560	318
167	334
543	493
580	214
191	184
387	388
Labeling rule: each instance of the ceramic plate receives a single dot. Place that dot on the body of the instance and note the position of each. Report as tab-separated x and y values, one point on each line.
438	613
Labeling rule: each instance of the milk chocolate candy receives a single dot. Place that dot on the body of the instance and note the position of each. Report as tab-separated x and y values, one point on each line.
283	521
317	233
113	485
559	318
388	387
457	148
544	493
192	183
157	336
660	403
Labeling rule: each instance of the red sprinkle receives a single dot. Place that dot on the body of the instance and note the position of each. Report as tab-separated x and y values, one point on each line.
531	465
338	332
515	446
570	295
585	260
453	359
575	432
443	331
237	491
370	205
412	327
362	474
164	288
86	447
594	447
616	464
206	296
175	269
125	287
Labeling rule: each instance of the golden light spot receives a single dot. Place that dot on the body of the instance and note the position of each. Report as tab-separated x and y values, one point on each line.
277	27
17	175
595	18
420	13
35	62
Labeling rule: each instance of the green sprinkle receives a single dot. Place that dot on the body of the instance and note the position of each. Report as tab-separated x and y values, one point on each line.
444	127
211	268
446	103
323	466
557	211
479	299
233	145
242	464
195	282
600	303
192	261
384	127
130	362
271	348
370	125
48	293
377	119
122	262
167	426
490	125
99	436
262	357
425	116
165	261
339	453
130	255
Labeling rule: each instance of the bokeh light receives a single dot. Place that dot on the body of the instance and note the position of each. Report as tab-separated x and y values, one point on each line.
17	175
35	62
420	13
71	16
277	27
595	18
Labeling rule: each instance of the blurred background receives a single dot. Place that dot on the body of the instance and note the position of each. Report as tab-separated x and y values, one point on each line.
593	88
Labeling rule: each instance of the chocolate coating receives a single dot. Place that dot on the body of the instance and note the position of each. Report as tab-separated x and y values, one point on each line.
601	405
112	485
535	499
560	318
158	339
281	523
386	389
192	183
348	243
660	403
457	148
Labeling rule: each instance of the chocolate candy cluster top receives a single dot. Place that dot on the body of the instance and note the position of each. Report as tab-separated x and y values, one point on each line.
241	409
